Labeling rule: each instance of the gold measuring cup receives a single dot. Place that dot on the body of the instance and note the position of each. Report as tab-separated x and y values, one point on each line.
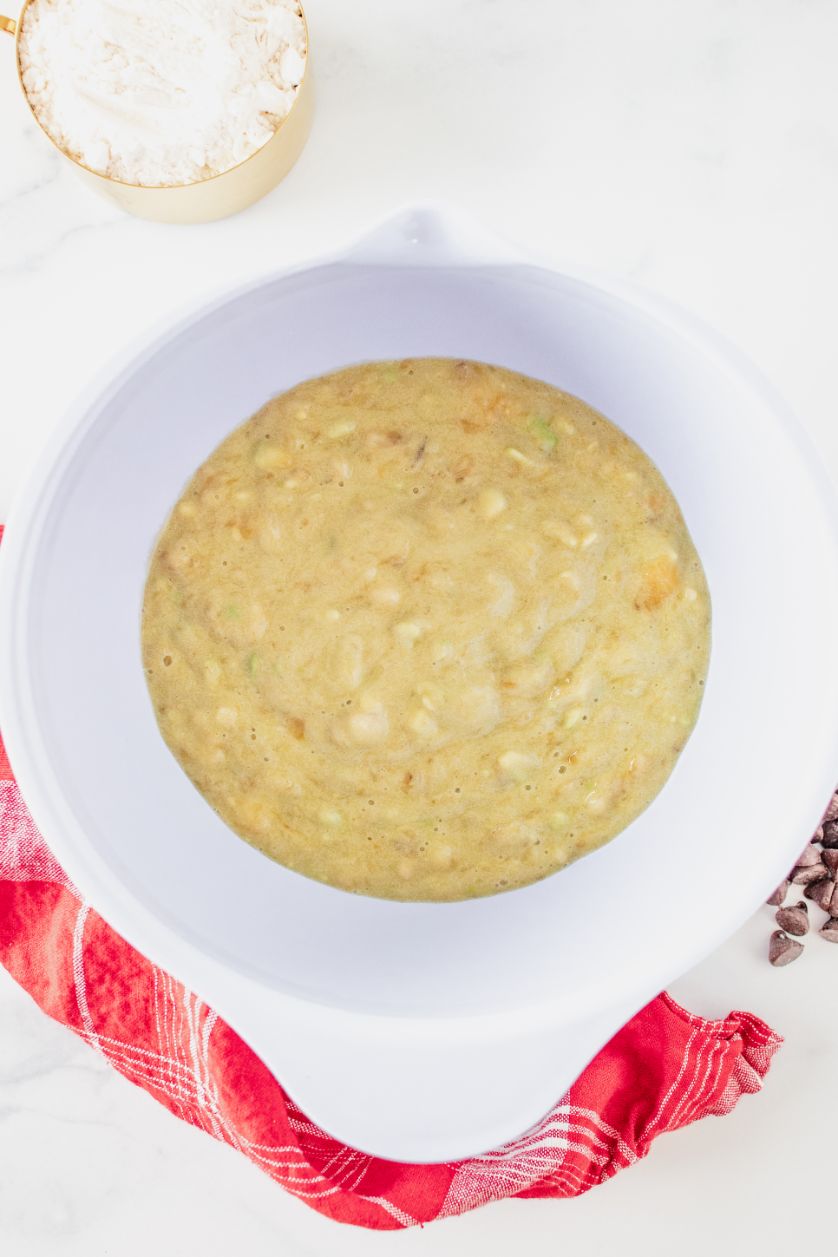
208	199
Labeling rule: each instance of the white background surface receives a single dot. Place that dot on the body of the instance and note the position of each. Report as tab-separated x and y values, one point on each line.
691	148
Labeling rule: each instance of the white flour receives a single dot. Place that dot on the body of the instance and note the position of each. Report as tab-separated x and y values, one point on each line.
162	92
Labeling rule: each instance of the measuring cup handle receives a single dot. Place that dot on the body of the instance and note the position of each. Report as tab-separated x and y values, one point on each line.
8	24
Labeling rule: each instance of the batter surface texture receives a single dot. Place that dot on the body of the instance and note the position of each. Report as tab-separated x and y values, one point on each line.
426	629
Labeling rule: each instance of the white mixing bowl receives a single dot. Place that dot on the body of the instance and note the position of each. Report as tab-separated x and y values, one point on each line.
424	1031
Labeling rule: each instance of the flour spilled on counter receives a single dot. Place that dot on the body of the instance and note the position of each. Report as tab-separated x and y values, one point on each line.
165	93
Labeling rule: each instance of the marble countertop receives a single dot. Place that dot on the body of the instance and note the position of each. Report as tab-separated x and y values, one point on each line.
693	149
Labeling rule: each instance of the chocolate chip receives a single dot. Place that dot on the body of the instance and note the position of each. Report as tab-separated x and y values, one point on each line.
830	835
782	950
830	859
804	875
808	856
794	920
821	892
816	871
831	813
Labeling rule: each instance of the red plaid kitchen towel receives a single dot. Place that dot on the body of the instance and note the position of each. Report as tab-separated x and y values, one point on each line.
664	1069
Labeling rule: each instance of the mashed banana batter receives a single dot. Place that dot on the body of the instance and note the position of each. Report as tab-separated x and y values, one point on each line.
426	629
